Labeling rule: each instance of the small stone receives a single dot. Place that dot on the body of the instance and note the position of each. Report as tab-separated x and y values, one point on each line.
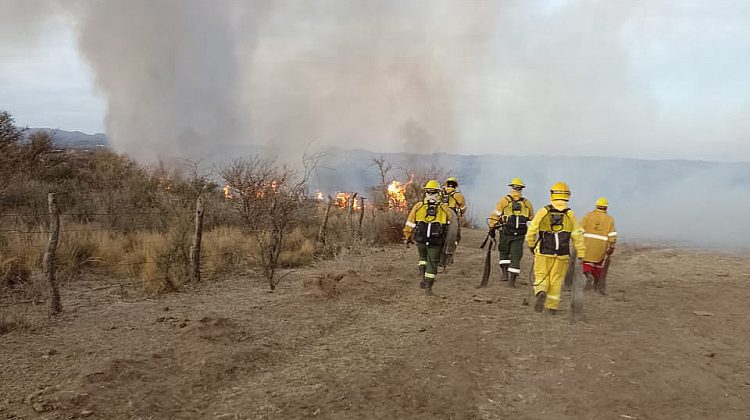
39	407
423	329
86	413
166	309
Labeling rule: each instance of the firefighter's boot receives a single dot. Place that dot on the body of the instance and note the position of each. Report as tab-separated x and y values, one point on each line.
422	270
590	282
541	297
512	279
602	289
428	288
504	272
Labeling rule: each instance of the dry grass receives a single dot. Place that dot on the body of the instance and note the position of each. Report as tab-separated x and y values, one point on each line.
13	320
158	259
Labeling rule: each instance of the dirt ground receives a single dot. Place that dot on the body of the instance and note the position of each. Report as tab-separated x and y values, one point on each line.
353	338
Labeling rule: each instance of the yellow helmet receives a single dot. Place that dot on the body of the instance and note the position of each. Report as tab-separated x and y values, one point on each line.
602	202
451	179
432	185
516	182
560	191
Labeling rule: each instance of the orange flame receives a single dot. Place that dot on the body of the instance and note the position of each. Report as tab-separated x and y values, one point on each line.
228	192
397	195
344	200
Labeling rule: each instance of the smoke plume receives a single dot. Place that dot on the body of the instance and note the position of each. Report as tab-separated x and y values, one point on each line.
557	78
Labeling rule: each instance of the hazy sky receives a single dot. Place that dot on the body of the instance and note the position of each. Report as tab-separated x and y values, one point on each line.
650	79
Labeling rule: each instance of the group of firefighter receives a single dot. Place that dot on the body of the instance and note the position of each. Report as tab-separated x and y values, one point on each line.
434	225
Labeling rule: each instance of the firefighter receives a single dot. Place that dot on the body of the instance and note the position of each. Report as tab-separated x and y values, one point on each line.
511	217
455	201
549	236
600	236
427	225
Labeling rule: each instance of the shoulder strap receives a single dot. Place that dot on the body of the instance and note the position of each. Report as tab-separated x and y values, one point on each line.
551	209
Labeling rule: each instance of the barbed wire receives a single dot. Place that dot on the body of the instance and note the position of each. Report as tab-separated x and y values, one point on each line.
154	213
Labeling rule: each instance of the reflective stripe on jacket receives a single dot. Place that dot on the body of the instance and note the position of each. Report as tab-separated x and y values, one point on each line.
540	225
599	233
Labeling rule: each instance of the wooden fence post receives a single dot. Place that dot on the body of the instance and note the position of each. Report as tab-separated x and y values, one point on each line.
324	226
361	217
50	255
350	215
195	250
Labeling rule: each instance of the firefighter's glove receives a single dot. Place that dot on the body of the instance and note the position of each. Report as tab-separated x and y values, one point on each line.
407	241
610	250
491	233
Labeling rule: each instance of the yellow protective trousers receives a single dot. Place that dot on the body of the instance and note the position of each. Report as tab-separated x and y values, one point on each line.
549	275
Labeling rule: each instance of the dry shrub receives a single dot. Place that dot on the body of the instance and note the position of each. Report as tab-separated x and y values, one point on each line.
171	263
14	319
384	227
13	271
226	249
297	250
73	253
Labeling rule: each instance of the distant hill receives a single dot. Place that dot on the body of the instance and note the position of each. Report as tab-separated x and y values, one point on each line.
665	201
698	203
74	139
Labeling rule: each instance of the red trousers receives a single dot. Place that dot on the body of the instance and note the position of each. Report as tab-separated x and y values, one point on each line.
593	268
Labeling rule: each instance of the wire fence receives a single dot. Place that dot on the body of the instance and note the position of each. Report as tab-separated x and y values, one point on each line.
57	226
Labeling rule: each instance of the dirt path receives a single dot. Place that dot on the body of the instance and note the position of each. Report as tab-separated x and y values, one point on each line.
353	338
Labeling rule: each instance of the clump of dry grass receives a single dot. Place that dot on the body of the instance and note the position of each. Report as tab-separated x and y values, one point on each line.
226	249
297	250
13	322
13	271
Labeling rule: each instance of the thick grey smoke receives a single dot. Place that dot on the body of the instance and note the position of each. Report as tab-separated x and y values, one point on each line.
170	72
22	21
657	79
381	74
567	77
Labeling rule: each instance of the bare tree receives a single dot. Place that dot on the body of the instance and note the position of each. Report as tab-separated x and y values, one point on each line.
380	192
384	167
270	199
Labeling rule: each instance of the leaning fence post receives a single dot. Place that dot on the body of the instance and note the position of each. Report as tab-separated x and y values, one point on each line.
350	215
50	255
195	250
324	226
361	217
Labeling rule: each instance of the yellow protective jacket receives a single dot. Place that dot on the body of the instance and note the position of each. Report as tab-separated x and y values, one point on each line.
504	211
424	227
552	229
599	234
455	200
